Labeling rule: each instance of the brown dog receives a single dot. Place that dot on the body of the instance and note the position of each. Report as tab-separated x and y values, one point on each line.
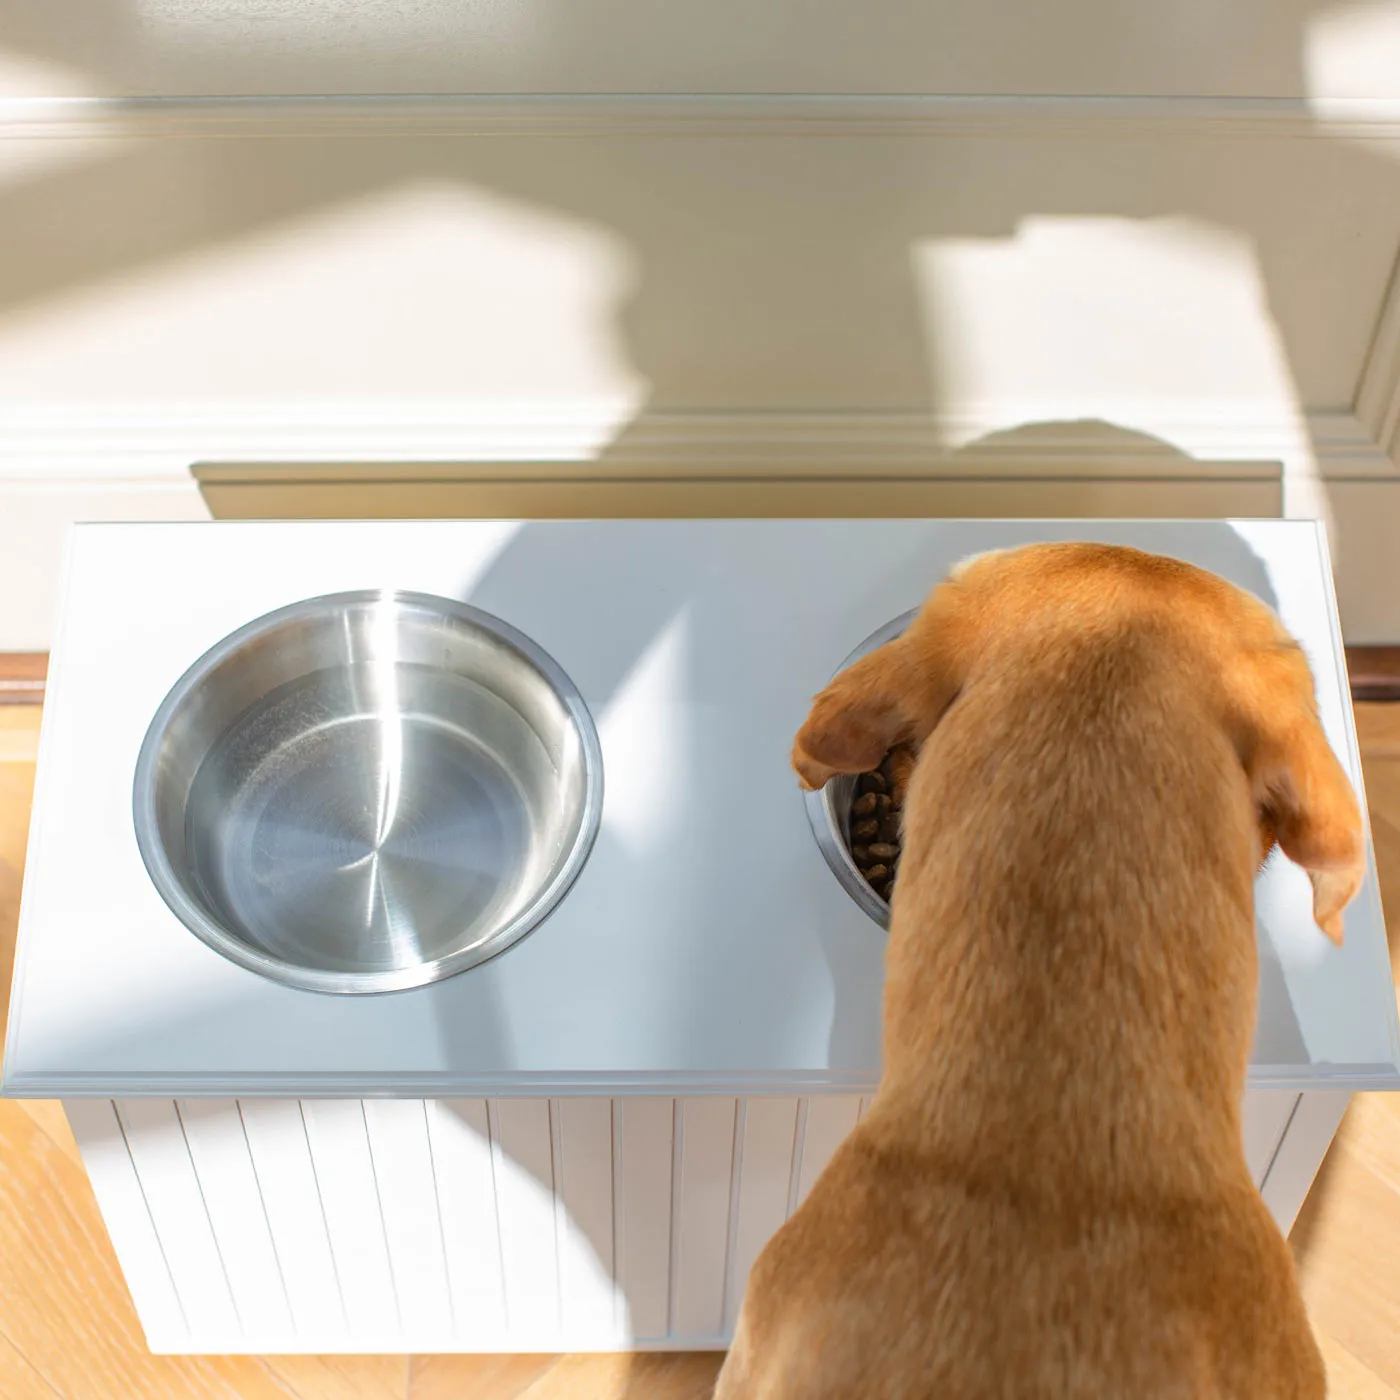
1049	1195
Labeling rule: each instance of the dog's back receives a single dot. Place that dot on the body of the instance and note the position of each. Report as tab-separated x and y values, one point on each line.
1049	1196
901	1279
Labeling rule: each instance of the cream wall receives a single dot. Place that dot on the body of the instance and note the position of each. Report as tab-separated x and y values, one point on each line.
790	258
159	48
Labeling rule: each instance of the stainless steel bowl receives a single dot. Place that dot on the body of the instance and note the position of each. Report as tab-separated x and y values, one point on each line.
368	791
829	811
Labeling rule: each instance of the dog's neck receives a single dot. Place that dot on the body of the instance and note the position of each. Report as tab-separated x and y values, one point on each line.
1072	971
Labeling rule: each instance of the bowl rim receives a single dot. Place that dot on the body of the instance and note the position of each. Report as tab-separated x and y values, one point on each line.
217	937
828	825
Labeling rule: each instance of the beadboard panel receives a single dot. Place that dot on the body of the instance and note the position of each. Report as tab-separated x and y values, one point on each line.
523	1151
586	1219
767	1162
644	1157
173	1194
111	1170
702	1201
406	1180
502	1225
280	1140
231	1196
337	1136
464	1165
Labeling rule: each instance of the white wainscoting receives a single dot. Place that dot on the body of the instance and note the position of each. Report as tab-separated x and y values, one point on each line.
491	1225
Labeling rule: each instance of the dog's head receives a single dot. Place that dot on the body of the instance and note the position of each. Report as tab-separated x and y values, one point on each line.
1258	678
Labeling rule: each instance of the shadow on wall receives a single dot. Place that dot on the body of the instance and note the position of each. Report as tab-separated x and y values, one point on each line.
768	271
1084	469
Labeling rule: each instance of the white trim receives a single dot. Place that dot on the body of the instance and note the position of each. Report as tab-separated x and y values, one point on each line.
126	442
1378	391
1346	450
18	1084
711	114
51	445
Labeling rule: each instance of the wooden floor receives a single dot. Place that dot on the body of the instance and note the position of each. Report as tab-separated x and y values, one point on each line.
68	1329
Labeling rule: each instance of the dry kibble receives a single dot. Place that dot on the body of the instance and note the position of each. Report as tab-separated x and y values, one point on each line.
875	819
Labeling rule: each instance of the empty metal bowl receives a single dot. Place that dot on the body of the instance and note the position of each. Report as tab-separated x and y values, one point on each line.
829	811
368	791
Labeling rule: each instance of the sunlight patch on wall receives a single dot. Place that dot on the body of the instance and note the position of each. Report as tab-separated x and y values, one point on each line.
28	163
25	75
1092	315
1160	325
1353	51
432	293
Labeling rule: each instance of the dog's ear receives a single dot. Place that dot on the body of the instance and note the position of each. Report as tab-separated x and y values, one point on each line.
895	695
1300	790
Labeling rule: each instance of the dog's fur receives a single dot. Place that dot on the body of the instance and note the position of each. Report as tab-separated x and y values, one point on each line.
1049	1195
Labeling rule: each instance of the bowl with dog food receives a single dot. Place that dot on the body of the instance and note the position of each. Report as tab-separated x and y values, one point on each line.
368	791
856	817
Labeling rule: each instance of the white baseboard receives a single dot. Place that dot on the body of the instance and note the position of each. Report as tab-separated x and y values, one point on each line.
698	114
161	443
75	463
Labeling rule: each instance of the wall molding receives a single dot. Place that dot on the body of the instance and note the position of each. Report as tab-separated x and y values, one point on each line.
22	678
708	114
1377	407
53	446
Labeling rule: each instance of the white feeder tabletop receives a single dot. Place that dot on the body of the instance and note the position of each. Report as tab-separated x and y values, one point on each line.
706	946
